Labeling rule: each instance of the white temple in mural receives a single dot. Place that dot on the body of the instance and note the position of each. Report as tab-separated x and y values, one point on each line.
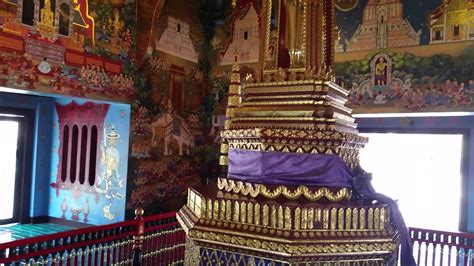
176	41
244	45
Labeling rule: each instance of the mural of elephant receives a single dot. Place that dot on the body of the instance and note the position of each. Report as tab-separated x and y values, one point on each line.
175	128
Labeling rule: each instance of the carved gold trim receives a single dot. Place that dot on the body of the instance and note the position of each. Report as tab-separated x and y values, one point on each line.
306	126
254	190
355	219
292	133
310	218
292	118
223	160
280	103
297	218
293	83
257	213
224	148
311	249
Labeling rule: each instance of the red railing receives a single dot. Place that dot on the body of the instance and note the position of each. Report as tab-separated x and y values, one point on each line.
151	240
431	247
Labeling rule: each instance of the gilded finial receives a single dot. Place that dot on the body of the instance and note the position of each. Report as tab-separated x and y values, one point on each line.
139	212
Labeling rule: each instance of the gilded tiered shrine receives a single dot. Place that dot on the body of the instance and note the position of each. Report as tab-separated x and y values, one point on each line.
290	150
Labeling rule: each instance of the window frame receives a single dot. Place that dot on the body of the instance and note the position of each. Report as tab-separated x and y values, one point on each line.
465	156
79	155
24	166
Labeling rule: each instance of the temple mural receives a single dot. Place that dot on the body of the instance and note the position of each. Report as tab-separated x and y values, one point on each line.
452	21
172	139
176	40
89	161
64	48
383	26
244	43
394	58
115	27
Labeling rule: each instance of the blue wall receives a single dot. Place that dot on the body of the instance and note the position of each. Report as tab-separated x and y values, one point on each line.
435	123
104	207
46	200
41	164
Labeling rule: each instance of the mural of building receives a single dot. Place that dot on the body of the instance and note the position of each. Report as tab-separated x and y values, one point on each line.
65	20
176	40
452	21
244	44
383	26
50	46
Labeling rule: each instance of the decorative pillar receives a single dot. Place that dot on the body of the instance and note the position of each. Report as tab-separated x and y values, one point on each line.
19	11
36	18
71	19
138	237
233	102
57	10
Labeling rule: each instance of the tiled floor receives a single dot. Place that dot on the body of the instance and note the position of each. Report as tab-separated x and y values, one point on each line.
20	231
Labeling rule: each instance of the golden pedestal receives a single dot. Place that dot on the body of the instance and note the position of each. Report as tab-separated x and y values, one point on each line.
290	112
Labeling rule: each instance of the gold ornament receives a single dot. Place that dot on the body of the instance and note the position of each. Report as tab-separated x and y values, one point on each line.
254	190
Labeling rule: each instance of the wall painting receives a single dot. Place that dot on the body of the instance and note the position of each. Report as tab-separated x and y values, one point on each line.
89	161
172	139
79	48
397	59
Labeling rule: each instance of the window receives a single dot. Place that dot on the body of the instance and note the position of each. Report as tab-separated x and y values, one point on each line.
73	161
28	12
64	19
437	35
83	159
178	28
16	138
80	126
65	153
79	154
93	156
456	31
419	171
246	35
8	142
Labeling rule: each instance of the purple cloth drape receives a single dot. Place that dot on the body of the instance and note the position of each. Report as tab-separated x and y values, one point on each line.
285	168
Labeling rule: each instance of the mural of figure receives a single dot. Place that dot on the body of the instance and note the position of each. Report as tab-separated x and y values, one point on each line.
381	72
380	98
175	128
47	15
110	179
46	23
107	213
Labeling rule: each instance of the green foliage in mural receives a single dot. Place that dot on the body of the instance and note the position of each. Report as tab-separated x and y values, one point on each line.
420	70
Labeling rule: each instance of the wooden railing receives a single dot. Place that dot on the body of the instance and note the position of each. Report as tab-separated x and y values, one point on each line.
151	240
431	247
